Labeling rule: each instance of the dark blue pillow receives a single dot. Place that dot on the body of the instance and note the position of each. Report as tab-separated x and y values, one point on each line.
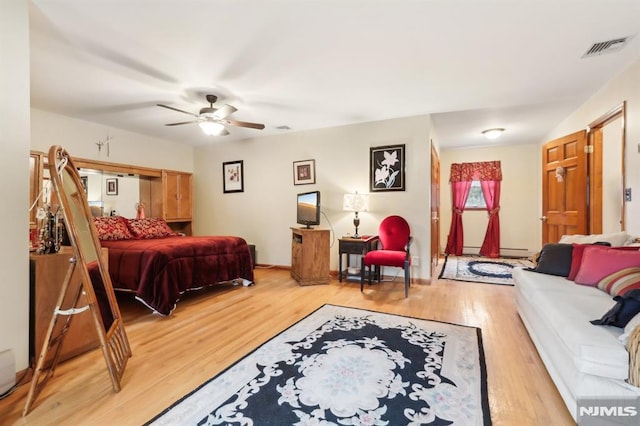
627	307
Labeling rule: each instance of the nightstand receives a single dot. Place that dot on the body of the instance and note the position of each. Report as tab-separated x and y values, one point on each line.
357	246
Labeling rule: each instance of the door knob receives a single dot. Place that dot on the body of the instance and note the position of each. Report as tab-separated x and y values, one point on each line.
543	218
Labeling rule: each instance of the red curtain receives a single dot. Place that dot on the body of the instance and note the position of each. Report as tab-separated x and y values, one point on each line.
459	194
489	173
491	244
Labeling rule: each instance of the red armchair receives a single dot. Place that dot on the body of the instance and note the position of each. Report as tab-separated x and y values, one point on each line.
394	237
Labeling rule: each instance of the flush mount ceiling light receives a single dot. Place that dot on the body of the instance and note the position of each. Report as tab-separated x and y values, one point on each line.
493	133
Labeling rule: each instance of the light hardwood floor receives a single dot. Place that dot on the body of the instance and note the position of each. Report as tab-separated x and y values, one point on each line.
211	329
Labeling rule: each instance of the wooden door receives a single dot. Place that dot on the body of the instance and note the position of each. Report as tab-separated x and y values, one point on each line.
435	209
564	187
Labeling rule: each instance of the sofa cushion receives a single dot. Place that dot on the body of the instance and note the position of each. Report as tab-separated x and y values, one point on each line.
614	238
566	309
598	262
555	259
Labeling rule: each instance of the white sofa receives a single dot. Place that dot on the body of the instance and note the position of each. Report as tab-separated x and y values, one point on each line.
584	360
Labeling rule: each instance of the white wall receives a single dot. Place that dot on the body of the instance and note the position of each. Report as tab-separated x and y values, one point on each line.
265	211
625	86
79	138
519	213
14	163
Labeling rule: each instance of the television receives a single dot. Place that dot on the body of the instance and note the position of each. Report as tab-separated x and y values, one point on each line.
308	208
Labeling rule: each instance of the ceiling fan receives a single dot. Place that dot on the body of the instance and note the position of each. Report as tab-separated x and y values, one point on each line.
213	121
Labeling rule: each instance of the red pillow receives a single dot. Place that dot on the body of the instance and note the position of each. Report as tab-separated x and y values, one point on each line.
151	227
598	262
112	228
576	256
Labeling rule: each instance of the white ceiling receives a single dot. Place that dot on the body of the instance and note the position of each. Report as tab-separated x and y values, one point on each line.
310	64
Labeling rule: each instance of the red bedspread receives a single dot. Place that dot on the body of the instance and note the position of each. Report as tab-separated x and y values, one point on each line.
159	270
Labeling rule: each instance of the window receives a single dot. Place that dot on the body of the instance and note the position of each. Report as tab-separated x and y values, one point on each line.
476	199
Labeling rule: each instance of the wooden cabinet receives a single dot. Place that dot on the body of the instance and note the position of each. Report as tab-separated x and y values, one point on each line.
47	273
310	256
176	195
170	197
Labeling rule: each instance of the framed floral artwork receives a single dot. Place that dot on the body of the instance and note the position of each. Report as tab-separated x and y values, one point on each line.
233	176
304	172
386	168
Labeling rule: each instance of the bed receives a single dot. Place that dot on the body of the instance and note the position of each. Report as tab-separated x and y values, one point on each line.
147	258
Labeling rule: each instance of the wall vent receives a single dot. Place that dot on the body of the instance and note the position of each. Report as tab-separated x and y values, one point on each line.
609	46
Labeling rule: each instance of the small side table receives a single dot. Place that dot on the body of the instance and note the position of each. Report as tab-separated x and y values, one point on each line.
359	246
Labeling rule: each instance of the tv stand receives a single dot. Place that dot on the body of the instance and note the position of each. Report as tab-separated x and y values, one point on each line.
310	256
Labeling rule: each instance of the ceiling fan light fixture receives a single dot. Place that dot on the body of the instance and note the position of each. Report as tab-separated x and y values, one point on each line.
493	133
211	128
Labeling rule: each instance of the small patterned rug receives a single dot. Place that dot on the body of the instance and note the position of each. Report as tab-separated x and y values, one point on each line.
481	269
346	366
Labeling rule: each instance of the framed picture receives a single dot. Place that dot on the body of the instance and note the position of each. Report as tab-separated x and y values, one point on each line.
112	186
304	172
233	176
386	168
84	180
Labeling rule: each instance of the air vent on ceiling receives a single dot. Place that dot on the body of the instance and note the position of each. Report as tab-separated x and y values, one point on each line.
609	46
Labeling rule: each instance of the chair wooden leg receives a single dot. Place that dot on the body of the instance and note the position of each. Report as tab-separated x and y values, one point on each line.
362	275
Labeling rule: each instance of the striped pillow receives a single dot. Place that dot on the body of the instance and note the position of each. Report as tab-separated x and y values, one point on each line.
620	282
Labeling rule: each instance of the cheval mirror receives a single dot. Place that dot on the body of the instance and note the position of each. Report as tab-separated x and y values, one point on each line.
96	283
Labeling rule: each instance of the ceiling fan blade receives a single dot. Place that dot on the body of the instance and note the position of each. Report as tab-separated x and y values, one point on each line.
182	122
176	109
244	124
224	112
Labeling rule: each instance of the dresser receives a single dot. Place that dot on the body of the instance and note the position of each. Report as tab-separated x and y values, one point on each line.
46	275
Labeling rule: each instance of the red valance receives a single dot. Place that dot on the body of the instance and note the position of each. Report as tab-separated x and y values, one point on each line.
485	170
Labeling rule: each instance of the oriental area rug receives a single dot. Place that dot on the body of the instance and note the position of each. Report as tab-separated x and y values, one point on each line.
346	366
481	269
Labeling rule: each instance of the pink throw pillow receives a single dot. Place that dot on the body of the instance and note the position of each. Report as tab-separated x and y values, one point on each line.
598	262
576	260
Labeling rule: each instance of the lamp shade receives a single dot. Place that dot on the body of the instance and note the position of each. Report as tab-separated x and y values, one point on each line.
210	127
355	202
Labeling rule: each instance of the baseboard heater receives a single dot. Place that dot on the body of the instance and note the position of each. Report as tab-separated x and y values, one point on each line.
504	252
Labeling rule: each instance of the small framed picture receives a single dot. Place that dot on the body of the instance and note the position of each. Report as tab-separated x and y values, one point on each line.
304	172
386	168
233	176
112	186
84	180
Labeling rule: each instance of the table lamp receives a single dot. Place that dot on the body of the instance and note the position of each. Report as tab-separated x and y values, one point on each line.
355	203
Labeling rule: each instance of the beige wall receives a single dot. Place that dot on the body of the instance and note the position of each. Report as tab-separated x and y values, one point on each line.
14	138
624	87
79	137
265	211
519	223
